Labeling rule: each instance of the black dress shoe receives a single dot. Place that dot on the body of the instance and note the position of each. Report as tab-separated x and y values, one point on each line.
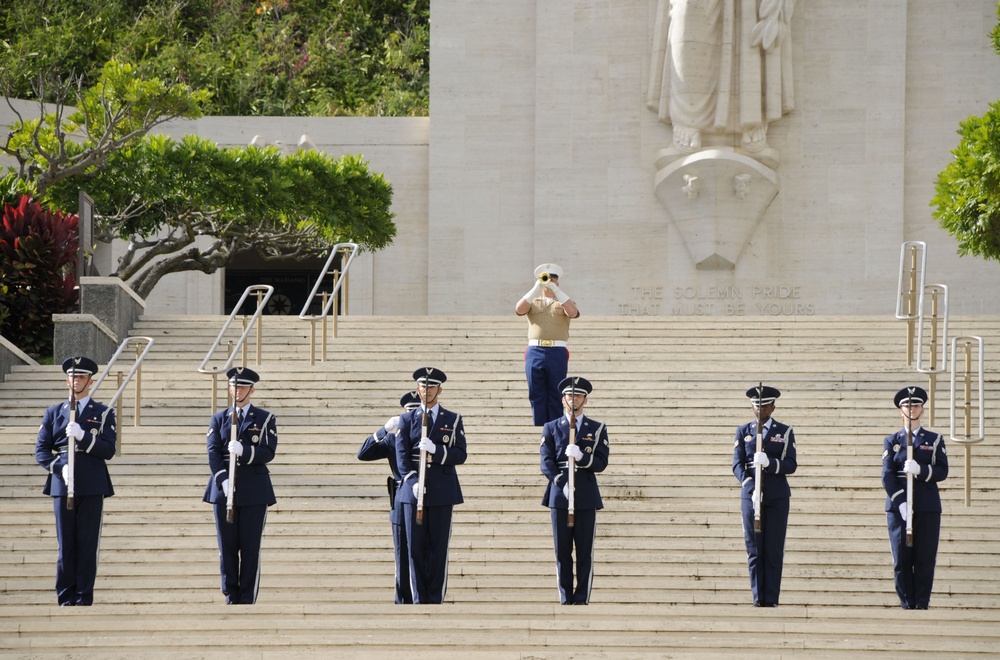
68	603
920	607
756	604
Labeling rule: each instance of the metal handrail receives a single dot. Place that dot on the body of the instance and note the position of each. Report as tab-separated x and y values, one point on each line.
967	440
123	383
908	274
202	368
967	375
338	285
937	347
934	290
248	326
330	298
909	295
135	367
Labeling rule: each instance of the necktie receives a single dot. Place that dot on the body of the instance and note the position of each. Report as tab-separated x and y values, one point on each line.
239	417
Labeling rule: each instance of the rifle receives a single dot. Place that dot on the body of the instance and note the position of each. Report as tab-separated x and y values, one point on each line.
71	449
758	491
571	465
425	424
233	435
909	477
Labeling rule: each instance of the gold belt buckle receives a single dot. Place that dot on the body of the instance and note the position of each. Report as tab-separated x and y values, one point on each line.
546	342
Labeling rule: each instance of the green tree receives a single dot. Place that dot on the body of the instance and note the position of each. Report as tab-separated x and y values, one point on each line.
259	57
159	195
967	199
121	107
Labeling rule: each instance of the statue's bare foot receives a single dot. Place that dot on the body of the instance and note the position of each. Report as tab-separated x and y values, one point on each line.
687	139
755	138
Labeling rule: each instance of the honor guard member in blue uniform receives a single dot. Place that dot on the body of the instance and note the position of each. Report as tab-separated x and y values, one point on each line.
546	360
382	444
257	440
94	434
427	542
765	550
913	566
591	455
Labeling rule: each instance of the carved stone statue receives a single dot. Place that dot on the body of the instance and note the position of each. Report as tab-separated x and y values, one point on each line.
721	71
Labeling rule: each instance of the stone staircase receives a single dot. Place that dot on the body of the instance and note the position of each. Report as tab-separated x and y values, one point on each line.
670	576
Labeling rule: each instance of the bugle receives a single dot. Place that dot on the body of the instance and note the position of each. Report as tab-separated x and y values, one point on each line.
425	424
233	435
909	476
758	487
571	469
544	277
71	448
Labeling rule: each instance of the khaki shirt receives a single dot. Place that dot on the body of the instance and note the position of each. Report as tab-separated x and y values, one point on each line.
547	320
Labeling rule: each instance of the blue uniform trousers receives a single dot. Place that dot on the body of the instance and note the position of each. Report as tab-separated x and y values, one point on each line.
79	535
580	536
765	551
914	567
428	546
239	551
404	594
545	368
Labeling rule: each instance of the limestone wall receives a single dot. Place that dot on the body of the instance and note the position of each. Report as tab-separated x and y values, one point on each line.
541	147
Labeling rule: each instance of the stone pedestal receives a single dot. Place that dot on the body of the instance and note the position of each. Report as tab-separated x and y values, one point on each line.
715	198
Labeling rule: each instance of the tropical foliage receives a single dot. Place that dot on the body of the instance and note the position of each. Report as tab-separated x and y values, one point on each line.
161	195
37	272
967	199
266	57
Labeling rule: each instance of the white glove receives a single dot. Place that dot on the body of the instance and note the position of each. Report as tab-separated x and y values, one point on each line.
65	473
534	292
225	489
392	424
235	447
755	499
73	429
416	489
556	291
573	451
761	459
427	445
565	490
912	467
903	511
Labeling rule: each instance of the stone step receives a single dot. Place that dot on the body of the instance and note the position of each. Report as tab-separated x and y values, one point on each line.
670	577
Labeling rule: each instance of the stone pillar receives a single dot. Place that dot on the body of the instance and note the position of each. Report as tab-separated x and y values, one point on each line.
82	334
112	302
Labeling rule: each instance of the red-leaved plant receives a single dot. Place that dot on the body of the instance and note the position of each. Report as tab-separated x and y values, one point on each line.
38	249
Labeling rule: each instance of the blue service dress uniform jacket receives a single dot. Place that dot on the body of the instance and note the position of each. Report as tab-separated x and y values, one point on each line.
765	551
79	530
427	543
239	541
913	567
377	446
592	438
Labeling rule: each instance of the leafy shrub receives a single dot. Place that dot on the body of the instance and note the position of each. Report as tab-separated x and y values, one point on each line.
257	57
37	272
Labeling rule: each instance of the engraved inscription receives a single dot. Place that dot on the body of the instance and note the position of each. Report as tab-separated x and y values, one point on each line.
717	300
